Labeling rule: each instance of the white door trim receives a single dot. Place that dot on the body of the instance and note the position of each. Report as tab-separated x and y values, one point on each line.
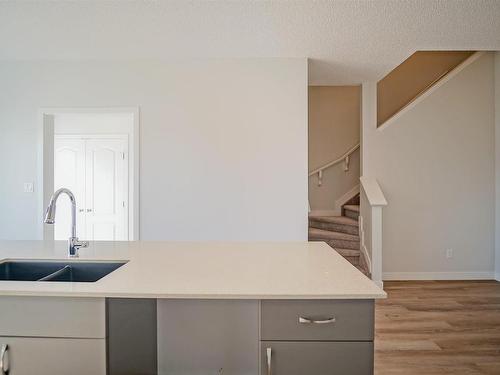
45	179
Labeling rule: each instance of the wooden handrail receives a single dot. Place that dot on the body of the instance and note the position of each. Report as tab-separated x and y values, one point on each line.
344	158
336	161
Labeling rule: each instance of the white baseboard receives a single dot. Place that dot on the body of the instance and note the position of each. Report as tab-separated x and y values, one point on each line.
481	275
497	276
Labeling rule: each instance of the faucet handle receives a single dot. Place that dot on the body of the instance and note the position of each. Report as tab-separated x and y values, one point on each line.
79	244
74	244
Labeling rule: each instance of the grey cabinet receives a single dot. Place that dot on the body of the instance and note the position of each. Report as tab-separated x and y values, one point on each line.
131	342
49	356
316	337
208	337
53	335
316	358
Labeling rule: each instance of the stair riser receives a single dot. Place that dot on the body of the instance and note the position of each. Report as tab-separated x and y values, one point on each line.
349	229
364	267
339	243
353	260
352	214
343	244
348	252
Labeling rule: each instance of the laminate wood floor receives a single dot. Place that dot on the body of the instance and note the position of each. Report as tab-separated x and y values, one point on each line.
438	327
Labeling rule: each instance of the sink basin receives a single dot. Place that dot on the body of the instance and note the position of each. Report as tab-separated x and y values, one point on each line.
72	271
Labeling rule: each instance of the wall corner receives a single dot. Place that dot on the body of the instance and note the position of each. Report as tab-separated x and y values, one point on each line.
497	164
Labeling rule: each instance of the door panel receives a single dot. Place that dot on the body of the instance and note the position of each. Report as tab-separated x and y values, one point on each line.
106	190
69	172
96	171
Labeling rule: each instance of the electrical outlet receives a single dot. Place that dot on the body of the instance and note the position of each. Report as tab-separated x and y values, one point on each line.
449	253
28	187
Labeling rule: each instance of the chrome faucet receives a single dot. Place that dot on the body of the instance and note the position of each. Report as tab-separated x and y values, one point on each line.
50	218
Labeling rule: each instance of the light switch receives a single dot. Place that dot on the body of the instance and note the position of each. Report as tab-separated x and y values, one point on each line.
28	187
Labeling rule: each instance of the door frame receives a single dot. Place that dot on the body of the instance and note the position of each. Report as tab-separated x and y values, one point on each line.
45	168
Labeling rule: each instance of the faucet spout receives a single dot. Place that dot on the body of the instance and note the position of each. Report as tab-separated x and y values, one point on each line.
50	218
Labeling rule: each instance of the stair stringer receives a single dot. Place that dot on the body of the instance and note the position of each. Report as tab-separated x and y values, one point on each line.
344	199
435	86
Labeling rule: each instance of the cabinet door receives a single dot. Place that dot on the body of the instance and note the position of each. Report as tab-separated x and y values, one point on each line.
49	356
69	172
316	358
208	337
106	190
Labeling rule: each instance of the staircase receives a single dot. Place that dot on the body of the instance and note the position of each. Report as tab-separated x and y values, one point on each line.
340	232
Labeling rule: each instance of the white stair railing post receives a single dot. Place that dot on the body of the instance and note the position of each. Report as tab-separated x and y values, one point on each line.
377	244
372	203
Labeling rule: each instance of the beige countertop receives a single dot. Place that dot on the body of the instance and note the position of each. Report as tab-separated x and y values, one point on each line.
201	270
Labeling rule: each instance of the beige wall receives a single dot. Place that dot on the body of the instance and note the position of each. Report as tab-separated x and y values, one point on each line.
334	118
435	165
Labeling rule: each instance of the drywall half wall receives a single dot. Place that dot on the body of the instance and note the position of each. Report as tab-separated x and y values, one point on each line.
497	165
334	118
435	165
223	143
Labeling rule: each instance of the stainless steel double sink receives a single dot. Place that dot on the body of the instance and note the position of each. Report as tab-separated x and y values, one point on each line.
48	270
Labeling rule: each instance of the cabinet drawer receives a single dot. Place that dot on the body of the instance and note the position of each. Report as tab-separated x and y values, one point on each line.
52	317
42	356
321	320
317	358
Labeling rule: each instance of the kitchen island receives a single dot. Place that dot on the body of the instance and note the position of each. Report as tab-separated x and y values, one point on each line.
191	308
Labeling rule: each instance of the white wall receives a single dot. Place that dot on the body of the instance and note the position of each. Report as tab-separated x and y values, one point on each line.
435	165
497	165
223	142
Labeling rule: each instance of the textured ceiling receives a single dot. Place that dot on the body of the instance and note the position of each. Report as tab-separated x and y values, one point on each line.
347	41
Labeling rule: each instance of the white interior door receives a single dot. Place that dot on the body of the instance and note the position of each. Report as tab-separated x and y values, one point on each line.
96	171
106	189
69	172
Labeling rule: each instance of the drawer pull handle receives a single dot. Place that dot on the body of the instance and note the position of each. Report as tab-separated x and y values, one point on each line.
303	320
269	354
4	360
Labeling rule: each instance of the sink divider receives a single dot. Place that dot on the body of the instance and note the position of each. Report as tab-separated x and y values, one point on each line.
56	273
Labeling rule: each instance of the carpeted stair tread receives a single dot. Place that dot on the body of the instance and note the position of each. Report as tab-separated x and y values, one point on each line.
320	234
347	252
344	220
341	233
351	207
